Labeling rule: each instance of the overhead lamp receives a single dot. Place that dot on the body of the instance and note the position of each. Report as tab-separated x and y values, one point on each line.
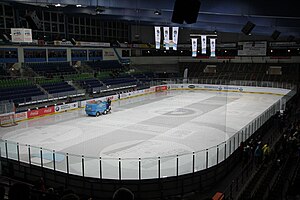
275	35
57	5
157	12
248	28
99	10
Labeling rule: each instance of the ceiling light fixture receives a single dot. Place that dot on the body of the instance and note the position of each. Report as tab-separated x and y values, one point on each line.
99	10
157	12
57	5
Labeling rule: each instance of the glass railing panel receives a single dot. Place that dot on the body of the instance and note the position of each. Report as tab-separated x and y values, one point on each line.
48	161
75	164
221	152
61	162
35	155
130	169
23	153
149	168
212	156
168	166
200	160
12	150
91	167
185	165
110	168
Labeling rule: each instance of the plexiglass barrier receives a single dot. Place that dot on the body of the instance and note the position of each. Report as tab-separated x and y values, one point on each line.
140	168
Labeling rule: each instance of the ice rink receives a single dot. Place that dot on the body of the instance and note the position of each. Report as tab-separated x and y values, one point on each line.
150	126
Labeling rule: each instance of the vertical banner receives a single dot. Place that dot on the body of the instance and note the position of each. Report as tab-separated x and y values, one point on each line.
17	34
157	37
203	44
28	35
175	37
166	38
212	47
194	47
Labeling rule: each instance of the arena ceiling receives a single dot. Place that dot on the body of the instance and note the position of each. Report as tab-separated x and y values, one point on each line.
219	15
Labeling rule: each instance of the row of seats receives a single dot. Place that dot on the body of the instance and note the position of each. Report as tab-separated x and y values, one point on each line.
119	81
51	68
90	83
241	71
20	94
145	77
10	83
104	65
53	88
76	77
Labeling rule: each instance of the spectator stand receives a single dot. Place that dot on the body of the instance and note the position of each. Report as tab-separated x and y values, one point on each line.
120	80
58	89
242	71
51	69
18	91
104	65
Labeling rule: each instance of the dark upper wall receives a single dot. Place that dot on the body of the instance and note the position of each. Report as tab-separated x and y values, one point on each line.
222	15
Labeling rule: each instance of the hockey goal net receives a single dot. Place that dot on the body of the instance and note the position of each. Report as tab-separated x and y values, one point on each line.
7	114
7	120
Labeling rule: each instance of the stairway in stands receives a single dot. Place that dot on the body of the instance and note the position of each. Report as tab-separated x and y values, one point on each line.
280	185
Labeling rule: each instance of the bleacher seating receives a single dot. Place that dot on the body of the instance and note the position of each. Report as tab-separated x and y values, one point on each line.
77	77
11	83
20	94
104	75
2	70
124	79
53	88
44	80
51	68
104	65
144	78
241	71
90	85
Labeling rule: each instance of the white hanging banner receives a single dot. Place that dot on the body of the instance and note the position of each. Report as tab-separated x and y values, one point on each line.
157	37
166	38
203	44
175	37
194	47
27	35
212	47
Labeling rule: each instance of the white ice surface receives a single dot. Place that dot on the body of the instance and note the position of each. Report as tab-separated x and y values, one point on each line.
150	126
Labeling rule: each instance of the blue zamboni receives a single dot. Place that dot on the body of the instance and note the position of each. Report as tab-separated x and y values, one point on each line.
98	108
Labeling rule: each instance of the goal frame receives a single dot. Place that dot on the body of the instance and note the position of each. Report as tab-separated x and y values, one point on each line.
8	120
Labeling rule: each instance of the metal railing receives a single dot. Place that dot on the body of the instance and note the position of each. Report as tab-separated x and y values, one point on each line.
52	97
